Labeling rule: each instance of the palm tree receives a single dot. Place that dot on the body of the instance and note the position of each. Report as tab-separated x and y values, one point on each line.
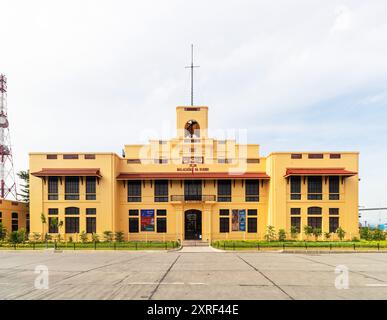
43	220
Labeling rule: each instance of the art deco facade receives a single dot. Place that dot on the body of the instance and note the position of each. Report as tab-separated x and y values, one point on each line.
194	187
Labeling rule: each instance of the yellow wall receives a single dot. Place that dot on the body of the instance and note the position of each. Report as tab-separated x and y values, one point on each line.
273	208
7	207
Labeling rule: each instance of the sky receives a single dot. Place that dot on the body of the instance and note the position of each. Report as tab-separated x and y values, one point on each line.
298	75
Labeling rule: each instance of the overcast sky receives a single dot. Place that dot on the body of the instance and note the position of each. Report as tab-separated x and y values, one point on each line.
299	75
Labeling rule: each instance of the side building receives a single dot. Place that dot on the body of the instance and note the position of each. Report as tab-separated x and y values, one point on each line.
14	215
194	187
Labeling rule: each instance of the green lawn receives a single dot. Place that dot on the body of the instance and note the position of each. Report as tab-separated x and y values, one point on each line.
150	245
329	245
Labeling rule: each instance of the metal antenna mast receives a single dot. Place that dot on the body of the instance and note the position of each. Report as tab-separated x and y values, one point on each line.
7	174
192	67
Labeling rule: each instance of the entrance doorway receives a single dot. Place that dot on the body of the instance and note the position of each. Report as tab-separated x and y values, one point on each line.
193	225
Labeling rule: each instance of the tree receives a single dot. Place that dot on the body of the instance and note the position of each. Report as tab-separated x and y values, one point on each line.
54	222
316	232
25	186
108	235
3	232
294	232
83	236
281	235
119	236
308	230
44	221
365	233
270	233
340	233
378	235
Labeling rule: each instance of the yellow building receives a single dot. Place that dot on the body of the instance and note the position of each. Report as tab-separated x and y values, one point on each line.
14	215
194	187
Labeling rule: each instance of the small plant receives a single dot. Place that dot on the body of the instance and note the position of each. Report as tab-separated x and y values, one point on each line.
3	232
281	235
36	236
316	233
270	233
47	237
95	237
308	230
108	236
83	236
16	237
327	235
70	239
340	233
294	232
58	237
119	236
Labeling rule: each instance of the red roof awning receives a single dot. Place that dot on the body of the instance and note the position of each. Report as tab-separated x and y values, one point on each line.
319	172
191	176
82	172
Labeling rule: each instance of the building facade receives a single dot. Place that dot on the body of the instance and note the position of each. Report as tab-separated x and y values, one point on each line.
14	215
194	187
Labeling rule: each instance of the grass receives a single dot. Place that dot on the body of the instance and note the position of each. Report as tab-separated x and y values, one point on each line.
132	245
326	245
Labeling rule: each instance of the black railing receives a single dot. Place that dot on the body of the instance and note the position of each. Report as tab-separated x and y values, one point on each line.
199	197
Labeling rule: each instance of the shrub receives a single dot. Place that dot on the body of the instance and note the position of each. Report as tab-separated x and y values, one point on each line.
270	233
294	232
108	236
119	236
36	236
70	239
95	237
16	236
327	235
365	233
281	235
83	236
340	233
316	233
3	232
308	230
378	235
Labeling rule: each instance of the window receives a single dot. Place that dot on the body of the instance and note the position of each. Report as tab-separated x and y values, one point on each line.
51	157
314	188
15	221
133	225
91	188
53	211
333	211
161	225
89	156
133	212
333	224
72	225
295	211
252	190
252	160
27	222
296	156
224	190
70	156
71	210
224	212
161	161
91	211
224	225
335	156
315	156
52	188
296	222
314	210
252	212
134	191
315	222
251	225
91	225
295	188
72	188
161	191
161	212
53	227
334	188
193	190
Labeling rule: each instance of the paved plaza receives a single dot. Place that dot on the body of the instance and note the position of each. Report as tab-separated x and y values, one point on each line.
191	275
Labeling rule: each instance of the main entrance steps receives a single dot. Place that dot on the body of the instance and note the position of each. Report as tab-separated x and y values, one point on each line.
195	243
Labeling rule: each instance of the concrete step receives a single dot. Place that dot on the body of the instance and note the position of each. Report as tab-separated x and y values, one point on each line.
195	243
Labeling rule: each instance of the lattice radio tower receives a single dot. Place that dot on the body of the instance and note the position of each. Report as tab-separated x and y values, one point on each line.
7	174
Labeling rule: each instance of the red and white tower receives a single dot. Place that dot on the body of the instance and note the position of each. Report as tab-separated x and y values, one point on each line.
7	174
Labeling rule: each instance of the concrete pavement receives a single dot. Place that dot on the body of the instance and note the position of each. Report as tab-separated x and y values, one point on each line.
191	275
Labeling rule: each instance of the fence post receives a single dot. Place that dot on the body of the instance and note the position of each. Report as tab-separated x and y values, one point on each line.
306	246
258	247
354	247
33	245
74	245
114	245
54	244
95	245
378	246
166	246
136	245
233	245
14	245
330	247
283	246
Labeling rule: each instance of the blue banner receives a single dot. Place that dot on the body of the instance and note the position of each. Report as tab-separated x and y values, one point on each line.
242	220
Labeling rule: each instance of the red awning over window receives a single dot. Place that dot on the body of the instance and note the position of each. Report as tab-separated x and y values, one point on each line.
319	172
82	172
191	176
